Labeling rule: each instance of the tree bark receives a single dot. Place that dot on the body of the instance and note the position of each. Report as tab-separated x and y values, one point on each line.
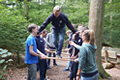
26	9
96	19
18	57
54	3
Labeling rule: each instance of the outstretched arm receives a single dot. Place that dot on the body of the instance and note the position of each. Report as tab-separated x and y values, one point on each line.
72	43
45	23
68	23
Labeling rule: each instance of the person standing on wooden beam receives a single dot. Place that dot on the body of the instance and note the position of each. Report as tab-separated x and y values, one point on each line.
58	20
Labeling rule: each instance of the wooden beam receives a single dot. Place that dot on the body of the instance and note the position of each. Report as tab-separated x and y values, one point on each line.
64	59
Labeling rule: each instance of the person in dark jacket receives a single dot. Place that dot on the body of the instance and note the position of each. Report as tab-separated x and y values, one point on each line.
74	66
42	64
58	20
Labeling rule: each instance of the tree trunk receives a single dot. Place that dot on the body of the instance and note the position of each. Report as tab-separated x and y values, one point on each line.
96	19
54	3
26	9
18	58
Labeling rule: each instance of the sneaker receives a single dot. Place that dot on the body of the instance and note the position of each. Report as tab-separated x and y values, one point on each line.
59	56
46	78
68	76
56	53
66	70
55	65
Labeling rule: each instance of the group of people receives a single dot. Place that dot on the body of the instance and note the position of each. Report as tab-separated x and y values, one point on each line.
81	46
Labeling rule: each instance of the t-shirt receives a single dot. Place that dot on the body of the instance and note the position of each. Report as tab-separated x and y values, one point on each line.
29	58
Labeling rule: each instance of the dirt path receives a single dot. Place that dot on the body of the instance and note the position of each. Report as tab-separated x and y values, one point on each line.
56	73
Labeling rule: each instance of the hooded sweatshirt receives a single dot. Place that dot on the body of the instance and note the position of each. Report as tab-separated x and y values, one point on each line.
87	58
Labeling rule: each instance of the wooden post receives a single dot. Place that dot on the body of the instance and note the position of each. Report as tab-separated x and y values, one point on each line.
106	56
118	58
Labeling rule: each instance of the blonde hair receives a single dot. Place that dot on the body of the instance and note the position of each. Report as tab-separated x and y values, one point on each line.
90	36
68	31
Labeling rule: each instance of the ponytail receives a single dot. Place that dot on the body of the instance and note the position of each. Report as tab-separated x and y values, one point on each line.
90	36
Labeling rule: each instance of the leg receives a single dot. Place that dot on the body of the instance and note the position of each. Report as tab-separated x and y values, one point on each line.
68	66
75	69
54	61
48	61
31	72
61	40
43	67
71	71
55	35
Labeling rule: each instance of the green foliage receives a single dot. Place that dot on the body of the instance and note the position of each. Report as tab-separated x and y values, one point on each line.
111	32
39	13
77	12
4	53
13	30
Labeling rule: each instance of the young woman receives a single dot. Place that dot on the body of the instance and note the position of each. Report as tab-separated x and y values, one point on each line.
87	57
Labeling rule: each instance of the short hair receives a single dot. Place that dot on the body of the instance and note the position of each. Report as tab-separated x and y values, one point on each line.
68	31
82	27
57	8
44	31
31	26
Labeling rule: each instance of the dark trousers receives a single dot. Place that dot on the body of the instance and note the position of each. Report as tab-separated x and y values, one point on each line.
42	65
48	61
73	72
54	61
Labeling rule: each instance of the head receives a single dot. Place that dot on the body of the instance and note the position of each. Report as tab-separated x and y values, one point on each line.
44	33
33	28
56	11
81	28
88	36
68	33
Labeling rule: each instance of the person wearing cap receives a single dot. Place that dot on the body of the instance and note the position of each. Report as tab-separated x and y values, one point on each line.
58	21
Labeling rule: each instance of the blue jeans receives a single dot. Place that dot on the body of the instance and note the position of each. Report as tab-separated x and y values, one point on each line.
60	33
95	77
31	72
68	66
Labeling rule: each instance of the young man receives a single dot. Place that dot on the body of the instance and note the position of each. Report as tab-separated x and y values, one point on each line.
31	56
74	65
42	64
58	20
